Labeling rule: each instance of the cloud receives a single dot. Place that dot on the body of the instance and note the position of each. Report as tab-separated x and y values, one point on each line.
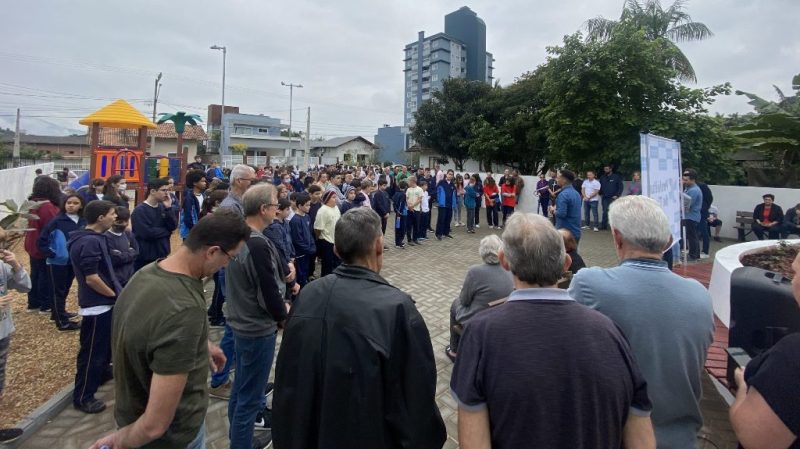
347	54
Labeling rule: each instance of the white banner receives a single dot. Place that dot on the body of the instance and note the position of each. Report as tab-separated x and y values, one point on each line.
661	177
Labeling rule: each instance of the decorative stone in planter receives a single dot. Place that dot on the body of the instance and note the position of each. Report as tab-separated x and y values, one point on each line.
726	261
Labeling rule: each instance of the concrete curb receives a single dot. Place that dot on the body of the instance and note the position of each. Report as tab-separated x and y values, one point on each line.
39	417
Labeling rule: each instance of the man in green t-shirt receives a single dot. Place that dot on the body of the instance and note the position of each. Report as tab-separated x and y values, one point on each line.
160	342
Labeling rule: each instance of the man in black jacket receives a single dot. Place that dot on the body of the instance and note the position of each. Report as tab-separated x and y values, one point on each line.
611	186
767	217
354	339
791	222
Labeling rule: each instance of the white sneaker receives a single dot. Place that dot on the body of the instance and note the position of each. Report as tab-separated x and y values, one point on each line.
596	230
477	226
704	256
585	227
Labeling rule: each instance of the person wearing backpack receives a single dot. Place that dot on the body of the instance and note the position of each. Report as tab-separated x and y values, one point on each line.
53	244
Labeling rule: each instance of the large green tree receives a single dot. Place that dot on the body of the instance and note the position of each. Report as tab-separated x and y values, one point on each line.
775	132
444	123
668	26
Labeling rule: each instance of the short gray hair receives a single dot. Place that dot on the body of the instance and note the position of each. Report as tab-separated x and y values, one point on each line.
356	232
240	171
534	249
488	249
257	196
641	222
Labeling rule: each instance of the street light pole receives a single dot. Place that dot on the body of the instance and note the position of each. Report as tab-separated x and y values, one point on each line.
222	113
291	91
156	91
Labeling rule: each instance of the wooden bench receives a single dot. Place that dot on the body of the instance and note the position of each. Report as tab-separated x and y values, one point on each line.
744	224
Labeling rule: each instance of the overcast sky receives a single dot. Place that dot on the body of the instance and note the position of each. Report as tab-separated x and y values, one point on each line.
62	60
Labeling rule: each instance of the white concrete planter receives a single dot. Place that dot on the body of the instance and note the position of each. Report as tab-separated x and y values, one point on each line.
727	260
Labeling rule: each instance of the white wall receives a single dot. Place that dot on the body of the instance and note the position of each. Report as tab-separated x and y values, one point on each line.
18	182
729	199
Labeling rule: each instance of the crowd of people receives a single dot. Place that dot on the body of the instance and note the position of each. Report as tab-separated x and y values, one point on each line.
356	365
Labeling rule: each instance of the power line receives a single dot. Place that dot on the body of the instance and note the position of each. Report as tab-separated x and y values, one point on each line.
83	65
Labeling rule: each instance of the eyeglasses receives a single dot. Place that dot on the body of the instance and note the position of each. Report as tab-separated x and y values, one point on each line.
247	179
226	253
271	205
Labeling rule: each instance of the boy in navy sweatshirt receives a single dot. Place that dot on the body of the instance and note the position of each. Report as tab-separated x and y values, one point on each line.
97	291
401	212
305	248
122	246
153	223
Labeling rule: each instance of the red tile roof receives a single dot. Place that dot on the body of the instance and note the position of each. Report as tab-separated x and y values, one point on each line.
116	137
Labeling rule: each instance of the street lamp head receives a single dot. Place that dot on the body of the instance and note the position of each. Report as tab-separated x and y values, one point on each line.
282	83
217	47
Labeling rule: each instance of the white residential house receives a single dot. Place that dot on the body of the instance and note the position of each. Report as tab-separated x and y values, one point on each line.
354	150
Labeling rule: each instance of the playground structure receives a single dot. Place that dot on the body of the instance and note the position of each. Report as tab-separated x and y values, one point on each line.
118	139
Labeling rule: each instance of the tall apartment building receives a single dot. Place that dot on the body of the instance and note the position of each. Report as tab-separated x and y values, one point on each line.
459	52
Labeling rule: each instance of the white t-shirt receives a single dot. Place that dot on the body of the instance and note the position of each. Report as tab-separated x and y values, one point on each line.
590	188
425	202
412	194
200	198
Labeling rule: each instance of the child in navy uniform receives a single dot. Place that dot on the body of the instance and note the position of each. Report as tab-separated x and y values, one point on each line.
53	244
401	212
305	248
122	246
97	292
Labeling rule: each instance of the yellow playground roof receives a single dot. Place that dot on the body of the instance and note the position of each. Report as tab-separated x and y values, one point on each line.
119	114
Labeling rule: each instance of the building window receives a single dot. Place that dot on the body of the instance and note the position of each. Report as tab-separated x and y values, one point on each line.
242	130
263	130
435	77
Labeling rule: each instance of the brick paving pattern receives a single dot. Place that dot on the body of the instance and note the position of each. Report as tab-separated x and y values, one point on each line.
432	274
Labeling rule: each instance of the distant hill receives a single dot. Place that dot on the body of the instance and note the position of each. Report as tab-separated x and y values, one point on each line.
37	126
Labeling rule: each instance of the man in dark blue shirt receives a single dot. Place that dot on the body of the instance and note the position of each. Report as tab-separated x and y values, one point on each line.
611	186
567	209
535	371
153	223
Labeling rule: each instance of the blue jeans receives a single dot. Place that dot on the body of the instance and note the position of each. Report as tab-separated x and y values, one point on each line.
253	362
591	206
199	441
227	346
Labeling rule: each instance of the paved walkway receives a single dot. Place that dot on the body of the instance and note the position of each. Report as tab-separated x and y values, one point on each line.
432	274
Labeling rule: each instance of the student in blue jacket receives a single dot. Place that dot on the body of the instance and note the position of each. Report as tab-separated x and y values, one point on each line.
53	244
97	292
401	212
193	198
305	247
153	223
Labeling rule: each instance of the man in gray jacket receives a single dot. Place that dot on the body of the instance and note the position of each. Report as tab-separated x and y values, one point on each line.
255	309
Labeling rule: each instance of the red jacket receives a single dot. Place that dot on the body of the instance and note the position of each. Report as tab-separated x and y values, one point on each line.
510	201
488	191
45	212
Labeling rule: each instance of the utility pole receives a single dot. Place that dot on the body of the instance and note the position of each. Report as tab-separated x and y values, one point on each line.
222	112
15	153
156	91
291	91
308	137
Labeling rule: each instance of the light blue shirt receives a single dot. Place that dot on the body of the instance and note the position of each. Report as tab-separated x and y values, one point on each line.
669	322
693	211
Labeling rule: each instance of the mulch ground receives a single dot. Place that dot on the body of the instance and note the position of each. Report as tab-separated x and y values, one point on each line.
41	360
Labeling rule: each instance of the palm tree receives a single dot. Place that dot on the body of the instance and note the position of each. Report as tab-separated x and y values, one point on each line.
180	119
672	25
775	131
